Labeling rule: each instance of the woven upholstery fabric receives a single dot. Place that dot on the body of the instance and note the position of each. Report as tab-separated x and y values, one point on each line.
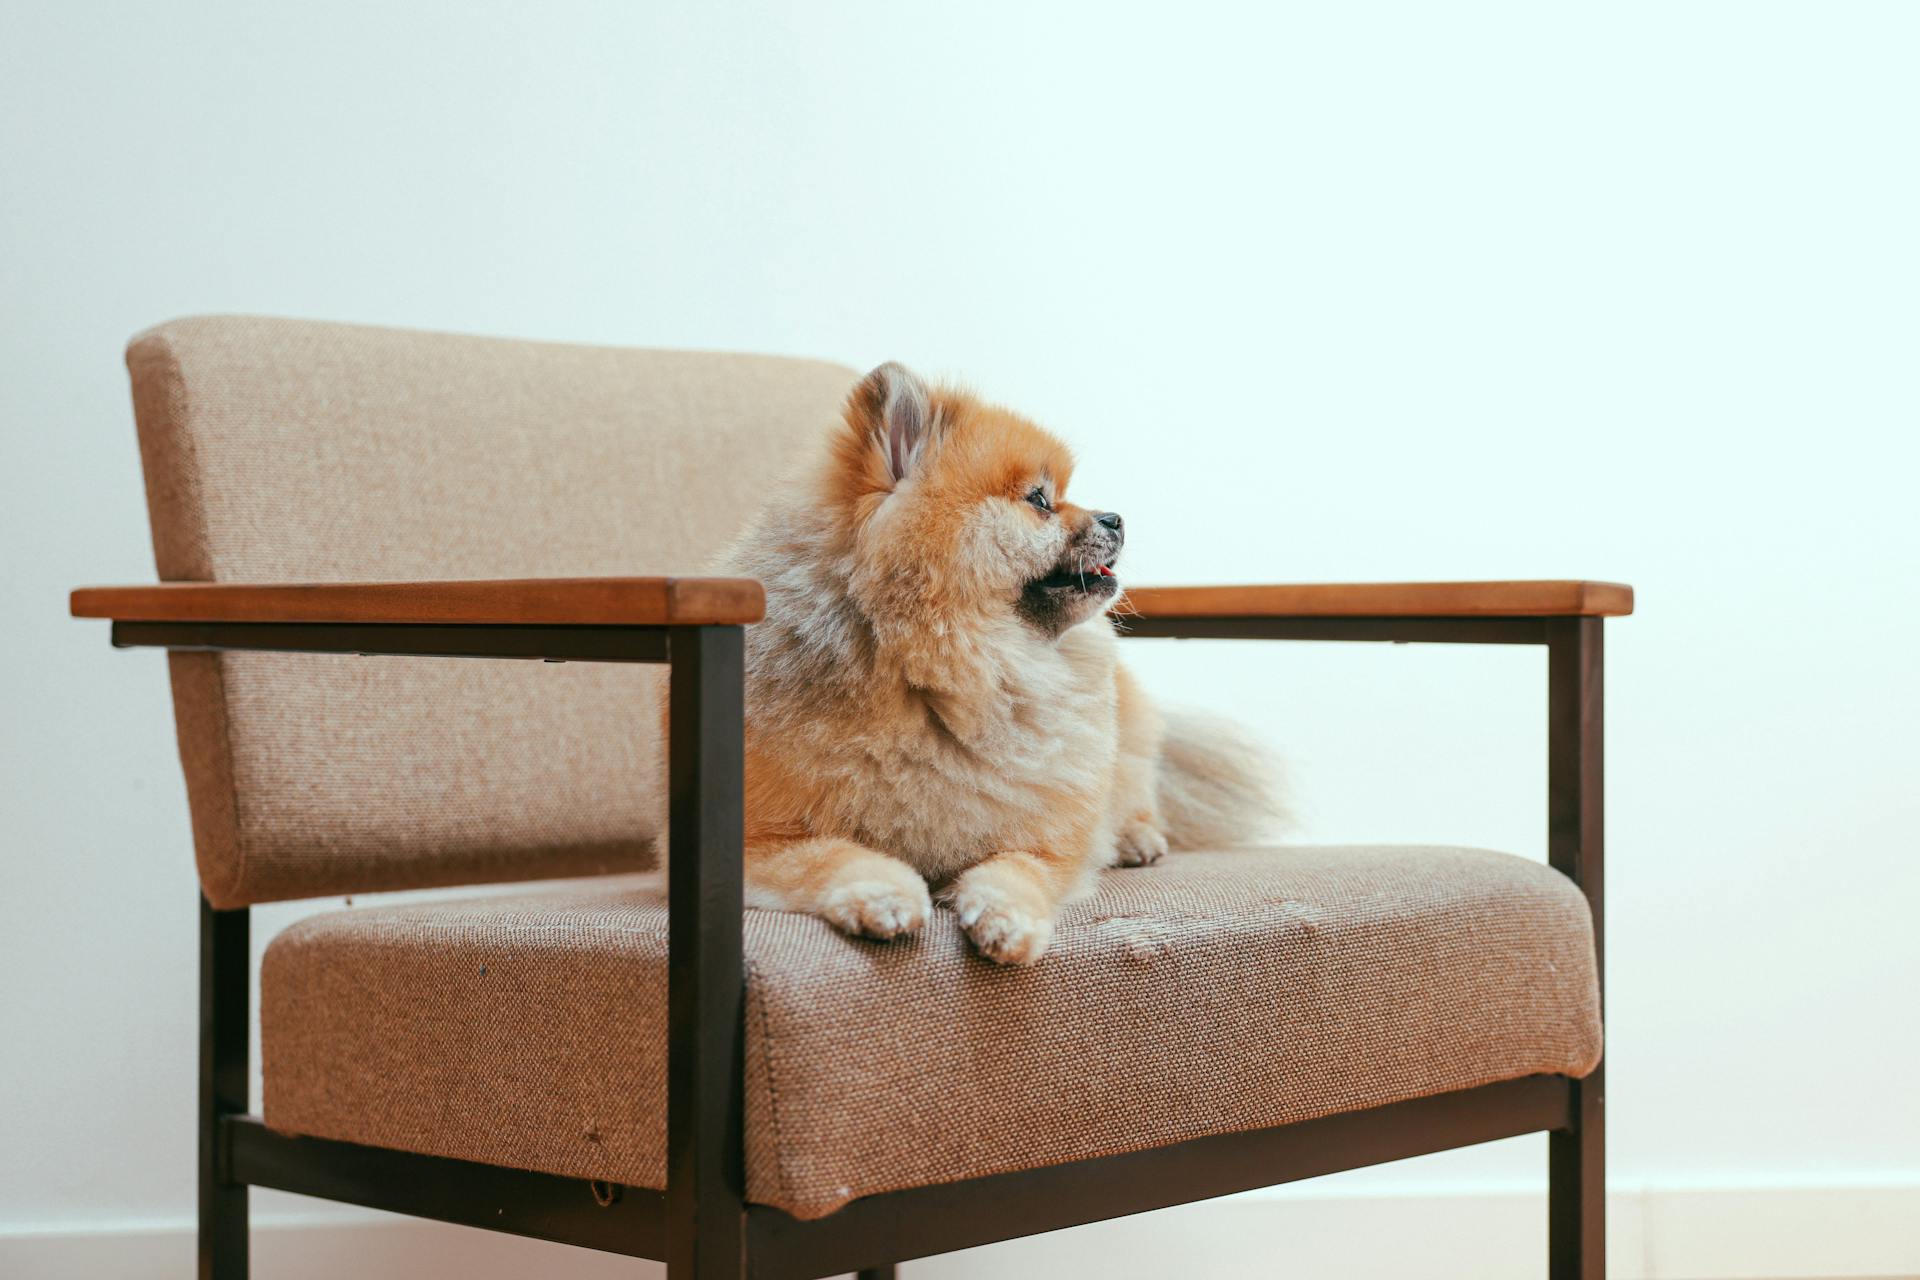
288	451
1213	993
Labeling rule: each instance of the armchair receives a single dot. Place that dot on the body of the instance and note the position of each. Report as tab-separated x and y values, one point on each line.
746	1093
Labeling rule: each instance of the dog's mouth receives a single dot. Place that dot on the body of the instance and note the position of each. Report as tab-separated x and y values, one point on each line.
1079	587
1095	579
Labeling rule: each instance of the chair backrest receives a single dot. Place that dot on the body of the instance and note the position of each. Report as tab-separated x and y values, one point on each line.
281	451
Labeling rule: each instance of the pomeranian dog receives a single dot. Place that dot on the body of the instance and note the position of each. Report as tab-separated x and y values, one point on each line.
935	696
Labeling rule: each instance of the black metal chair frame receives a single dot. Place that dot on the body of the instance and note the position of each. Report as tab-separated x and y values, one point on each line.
701	1226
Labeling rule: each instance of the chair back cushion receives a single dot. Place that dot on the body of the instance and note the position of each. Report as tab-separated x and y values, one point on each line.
292	451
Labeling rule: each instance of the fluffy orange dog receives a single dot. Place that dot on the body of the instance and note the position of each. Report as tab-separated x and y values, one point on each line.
935	693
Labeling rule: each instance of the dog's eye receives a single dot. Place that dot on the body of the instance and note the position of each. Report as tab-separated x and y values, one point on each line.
1039	499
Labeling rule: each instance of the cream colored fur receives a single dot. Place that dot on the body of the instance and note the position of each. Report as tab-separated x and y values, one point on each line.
908	725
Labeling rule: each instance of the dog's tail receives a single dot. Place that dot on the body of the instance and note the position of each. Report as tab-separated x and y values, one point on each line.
1219	785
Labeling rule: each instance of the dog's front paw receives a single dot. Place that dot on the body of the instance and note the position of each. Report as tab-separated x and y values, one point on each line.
1003	931
1138	844
874	907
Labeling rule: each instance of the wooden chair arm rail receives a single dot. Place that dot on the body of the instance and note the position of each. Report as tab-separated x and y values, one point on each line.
509	601
1543	599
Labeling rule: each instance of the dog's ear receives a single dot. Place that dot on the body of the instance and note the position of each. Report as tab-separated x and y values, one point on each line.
893	409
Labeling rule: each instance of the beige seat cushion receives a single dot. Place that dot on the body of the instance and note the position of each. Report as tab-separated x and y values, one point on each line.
1216	992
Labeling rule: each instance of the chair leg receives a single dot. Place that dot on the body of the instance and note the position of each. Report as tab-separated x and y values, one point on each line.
706	1165
1576	831
1577	1188
224	961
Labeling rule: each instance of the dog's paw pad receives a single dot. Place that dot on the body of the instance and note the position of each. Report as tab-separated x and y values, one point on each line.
1139	844
878	908
1001	931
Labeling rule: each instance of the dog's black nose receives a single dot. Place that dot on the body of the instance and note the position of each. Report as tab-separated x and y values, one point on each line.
1111	519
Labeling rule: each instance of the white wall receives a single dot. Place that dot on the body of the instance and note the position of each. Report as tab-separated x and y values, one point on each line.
1349	292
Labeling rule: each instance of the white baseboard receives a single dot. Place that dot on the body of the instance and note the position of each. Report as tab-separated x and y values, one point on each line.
1705	1233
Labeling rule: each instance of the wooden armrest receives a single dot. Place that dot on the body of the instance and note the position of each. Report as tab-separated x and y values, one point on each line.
1383	600
513	601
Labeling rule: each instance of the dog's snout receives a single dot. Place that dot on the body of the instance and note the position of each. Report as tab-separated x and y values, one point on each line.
1111	519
